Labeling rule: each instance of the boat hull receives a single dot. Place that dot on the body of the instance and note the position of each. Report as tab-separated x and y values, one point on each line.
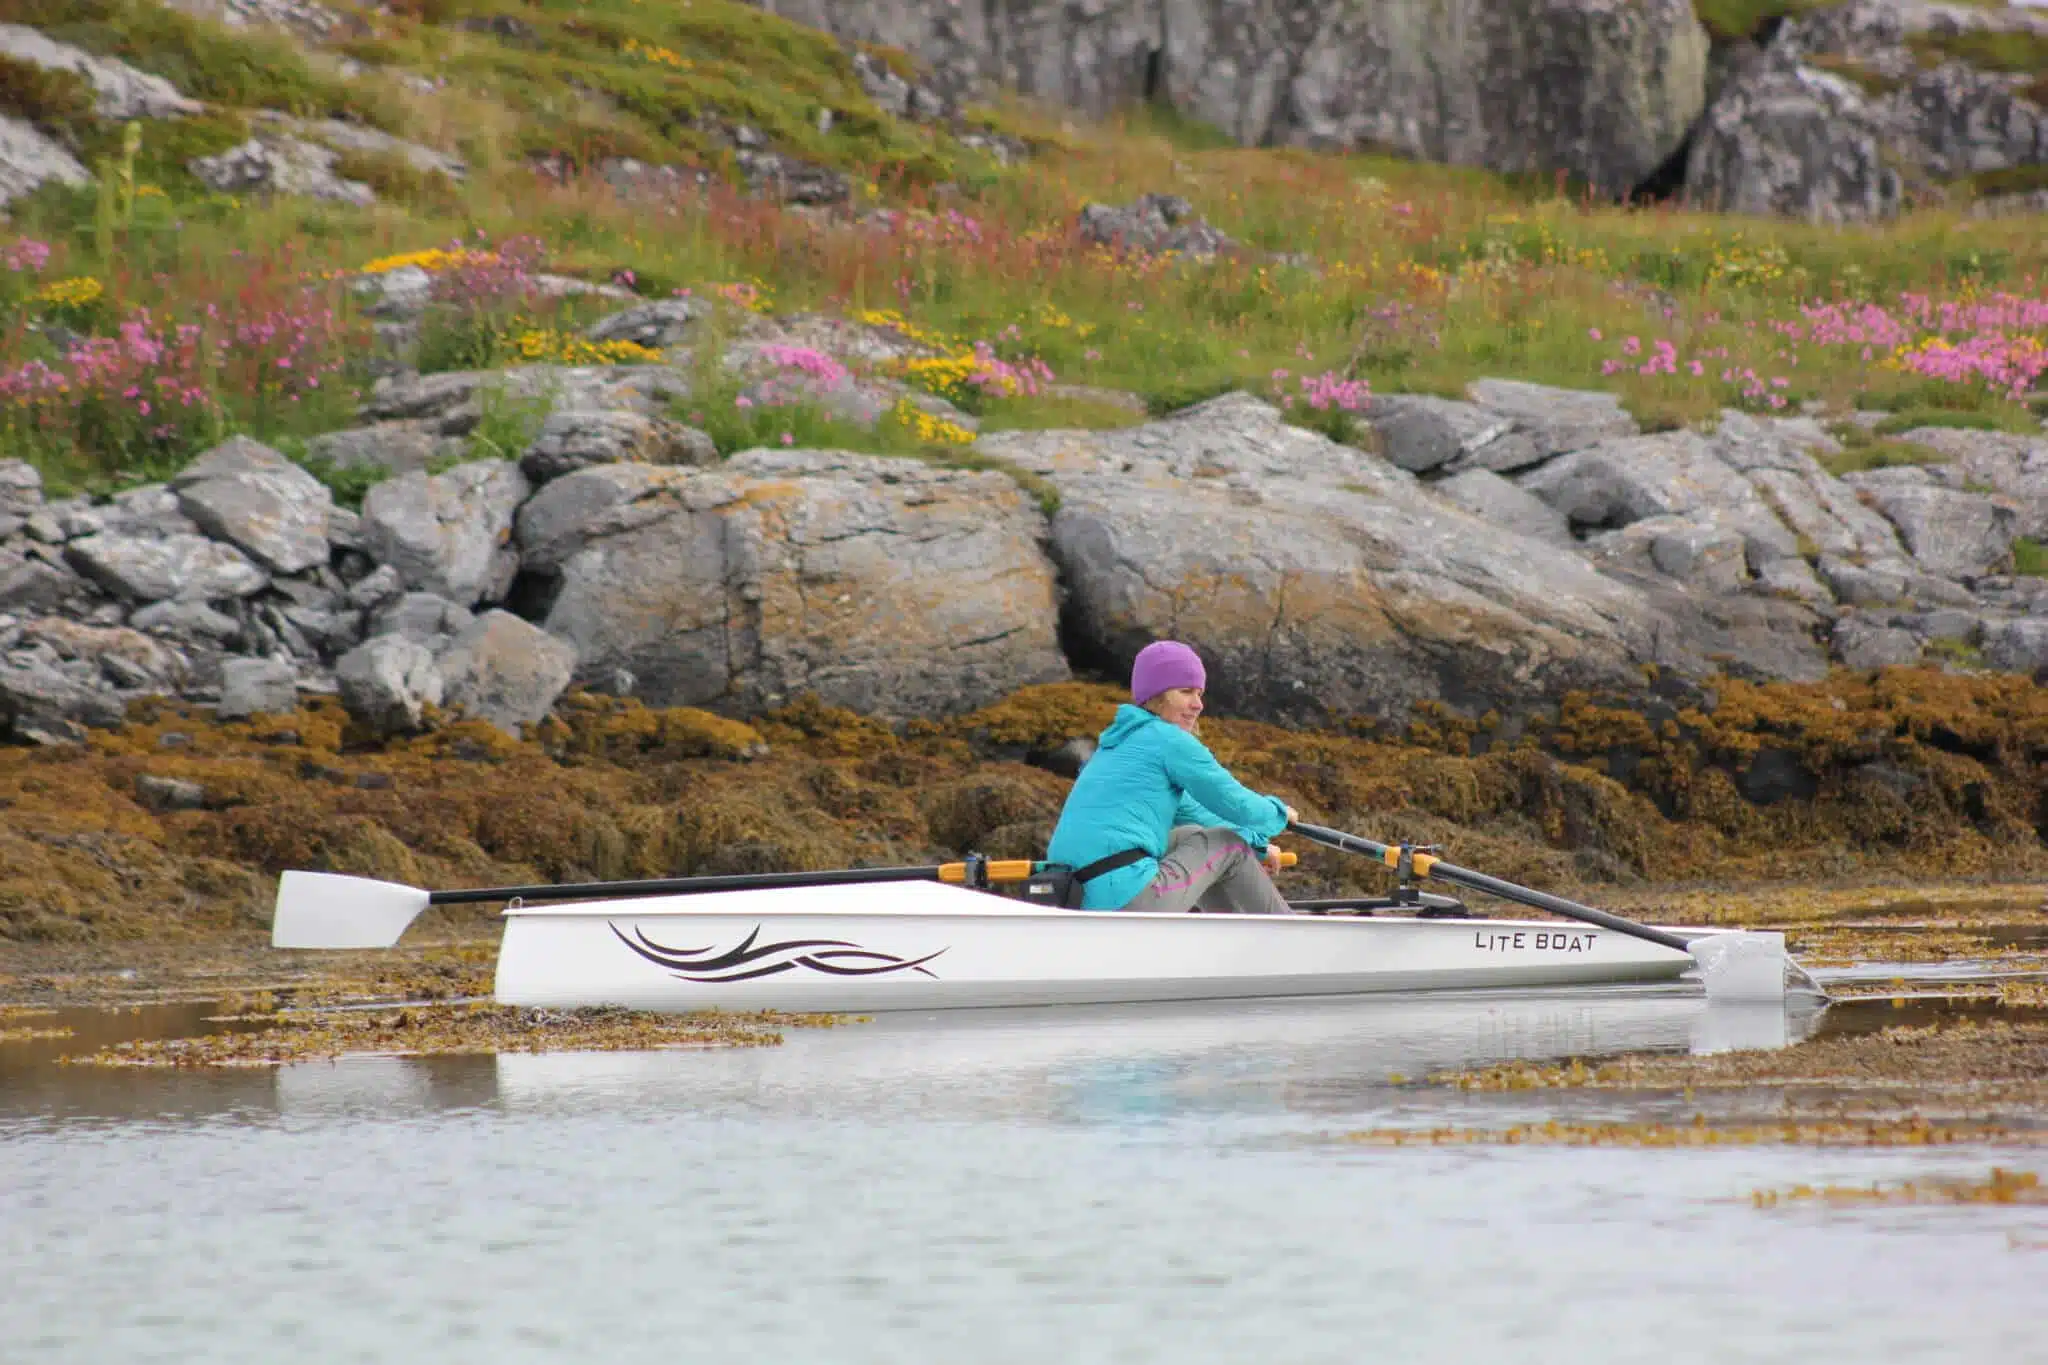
921	946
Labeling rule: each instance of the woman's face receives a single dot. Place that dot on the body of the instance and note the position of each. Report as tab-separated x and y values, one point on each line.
1180	706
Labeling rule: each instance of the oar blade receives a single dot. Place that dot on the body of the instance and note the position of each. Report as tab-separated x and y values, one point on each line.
1744	965
328	910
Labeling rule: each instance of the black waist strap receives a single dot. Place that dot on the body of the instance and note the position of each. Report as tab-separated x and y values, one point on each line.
1114	861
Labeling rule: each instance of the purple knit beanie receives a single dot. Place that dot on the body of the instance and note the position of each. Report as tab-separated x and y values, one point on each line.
1163	664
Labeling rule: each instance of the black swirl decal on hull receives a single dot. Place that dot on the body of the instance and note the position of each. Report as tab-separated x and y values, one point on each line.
751	960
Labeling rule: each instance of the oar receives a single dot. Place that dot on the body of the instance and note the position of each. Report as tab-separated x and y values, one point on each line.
329	910
1734	964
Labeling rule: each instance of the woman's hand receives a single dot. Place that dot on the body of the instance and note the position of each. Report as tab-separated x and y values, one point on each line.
1272	859
1292	813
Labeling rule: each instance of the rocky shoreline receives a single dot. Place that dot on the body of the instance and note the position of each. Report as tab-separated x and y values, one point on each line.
1493	554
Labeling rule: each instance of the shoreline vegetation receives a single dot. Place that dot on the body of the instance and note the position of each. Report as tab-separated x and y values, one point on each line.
152	316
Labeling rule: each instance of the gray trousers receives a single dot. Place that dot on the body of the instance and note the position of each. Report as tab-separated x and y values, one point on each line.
1213	870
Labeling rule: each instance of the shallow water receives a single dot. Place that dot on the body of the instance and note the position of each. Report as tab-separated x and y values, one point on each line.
1125	1184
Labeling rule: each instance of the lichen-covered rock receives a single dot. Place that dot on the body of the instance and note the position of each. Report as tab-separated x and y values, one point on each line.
448	533
880	584
505	670
244	492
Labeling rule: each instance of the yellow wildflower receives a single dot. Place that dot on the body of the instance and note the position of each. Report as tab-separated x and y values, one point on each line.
76	292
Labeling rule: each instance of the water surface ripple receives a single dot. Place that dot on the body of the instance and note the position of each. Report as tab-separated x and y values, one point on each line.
1114	1185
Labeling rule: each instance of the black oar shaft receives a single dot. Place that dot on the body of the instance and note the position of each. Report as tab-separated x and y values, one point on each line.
683	886
1494	886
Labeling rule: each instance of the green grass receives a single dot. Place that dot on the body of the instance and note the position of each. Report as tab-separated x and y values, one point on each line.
2030	558
248	68
2003	418
1725	19
1424	277
1863	450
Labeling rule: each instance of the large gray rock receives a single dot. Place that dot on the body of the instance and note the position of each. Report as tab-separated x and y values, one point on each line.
1789	139
505	670
387	683
882	584
1323	581
448	533
151	569
244	492
119	90
1603	88
30	159
454	400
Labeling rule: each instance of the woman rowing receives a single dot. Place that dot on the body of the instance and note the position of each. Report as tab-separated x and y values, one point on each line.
1154	822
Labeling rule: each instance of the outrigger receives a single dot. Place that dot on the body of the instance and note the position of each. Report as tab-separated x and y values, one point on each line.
991	933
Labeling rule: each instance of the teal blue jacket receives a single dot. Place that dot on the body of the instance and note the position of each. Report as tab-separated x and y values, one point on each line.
1147	777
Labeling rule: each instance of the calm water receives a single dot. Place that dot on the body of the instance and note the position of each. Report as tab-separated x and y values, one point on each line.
1124	1185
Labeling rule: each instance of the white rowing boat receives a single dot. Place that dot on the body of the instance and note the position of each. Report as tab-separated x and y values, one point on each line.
903	944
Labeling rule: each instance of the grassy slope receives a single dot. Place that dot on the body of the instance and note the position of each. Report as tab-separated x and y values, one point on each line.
1427	276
